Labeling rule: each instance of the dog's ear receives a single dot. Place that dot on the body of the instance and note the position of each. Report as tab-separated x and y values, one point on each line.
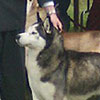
39	20
48	25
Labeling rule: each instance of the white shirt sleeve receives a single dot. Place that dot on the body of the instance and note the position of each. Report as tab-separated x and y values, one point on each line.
50	3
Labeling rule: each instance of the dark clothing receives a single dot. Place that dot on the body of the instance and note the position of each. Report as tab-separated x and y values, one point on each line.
12	67
63	4
93	22
13	14
41	2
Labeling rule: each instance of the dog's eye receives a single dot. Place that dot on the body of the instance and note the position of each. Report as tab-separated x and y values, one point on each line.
34	33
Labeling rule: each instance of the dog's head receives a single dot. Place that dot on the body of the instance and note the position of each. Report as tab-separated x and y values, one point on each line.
38	36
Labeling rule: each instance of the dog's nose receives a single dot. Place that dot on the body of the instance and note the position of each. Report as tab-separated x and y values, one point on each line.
17	37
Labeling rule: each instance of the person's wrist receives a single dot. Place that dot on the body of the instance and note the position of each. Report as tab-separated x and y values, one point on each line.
50	12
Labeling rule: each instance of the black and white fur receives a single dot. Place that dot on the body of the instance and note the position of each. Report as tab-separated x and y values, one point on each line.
56	74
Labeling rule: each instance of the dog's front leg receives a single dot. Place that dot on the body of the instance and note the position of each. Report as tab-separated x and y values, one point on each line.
34	96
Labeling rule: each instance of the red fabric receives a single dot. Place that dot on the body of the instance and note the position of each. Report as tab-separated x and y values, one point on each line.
97	1
93	22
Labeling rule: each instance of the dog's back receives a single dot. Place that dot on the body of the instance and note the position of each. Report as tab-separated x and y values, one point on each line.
82	41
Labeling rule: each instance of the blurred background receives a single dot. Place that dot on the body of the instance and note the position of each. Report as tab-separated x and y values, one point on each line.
78	10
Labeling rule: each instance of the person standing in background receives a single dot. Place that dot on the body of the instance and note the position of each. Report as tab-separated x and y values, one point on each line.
12	63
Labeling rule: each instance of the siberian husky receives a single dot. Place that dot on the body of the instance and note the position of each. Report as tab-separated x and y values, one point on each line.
55	73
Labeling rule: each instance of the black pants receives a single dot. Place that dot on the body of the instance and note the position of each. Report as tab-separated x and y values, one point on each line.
12	68
62	10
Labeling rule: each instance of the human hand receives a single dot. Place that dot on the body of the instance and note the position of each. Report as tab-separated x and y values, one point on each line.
53	17
56	22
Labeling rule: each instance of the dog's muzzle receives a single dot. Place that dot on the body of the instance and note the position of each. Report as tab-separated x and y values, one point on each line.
17	37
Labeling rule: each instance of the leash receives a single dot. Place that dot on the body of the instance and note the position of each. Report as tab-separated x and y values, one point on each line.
77	24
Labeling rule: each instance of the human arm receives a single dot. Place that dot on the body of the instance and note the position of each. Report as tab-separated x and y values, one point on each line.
49	7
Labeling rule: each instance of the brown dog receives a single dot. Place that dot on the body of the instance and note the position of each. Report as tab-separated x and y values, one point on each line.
32	9
82	41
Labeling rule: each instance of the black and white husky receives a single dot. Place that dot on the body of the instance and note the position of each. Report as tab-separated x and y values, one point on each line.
56	74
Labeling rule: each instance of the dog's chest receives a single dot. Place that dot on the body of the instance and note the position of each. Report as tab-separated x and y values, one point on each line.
43	90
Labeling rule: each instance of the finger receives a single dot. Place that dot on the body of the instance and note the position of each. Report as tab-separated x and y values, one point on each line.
59	27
